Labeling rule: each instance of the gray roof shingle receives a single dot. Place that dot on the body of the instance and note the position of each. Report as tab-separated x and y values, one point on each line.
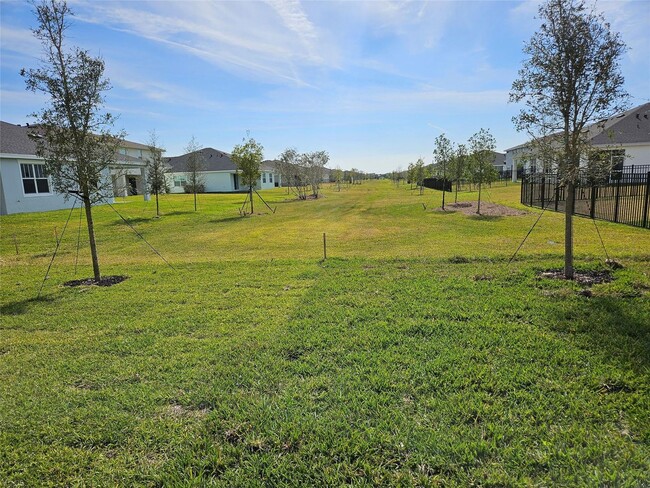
14	139
213	160
629	127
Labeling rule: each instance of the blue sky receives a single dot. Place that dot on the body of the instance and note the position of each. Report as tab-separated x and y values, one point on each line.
373	83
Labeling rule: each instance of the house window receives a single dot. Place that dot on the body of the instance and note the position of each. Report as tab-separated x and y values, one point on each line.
270	177
263	177
618	159
180	181
34	179
123	150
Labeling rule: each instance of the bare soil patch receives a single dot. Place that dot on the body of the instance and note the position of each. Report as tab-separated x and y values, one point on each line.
586	278
487	208
104	281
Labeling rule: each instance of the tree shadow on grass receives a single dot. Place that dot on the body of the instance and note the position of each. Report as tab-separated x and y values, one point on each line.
21	307
177	212
132	221
618	327
487	218
226	220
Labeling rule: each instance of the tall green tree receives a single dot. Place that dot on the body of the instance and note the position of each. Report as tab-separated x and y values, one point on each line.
570	78
482	146
442	155
194	169
76	139
248	157
156	169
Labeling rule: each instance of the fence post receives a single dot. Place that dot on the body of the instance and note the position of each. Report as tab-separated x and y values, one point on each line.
543	189
647	201
557	192
532	188
617	199
594	190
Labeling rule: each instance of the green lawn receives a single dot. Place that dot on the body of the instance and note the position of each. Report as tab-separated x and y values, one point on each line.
415	355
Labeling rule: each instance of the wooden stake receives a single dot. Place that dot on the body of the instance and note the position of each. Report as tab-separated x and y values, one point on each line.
324	247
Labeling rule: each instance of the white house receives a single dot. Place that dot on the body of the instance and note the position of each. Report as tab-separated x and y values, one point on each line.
219	174
625	136
25	187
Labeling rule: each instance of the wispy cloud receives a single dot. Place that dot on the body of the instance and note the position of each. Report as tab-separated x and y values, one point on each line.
19	41
271	41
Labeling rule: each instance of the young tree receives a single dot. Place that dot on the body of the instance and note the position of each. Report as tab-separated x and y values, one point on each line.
482	145
248	158
286	165
156	169
418	174
338	177
194	167
458	167
443	154
571	77
313	164
410	174
75	137
294	173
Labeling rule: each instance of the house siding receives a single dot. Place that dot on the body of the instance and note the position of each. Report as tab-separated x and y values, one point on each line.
12	197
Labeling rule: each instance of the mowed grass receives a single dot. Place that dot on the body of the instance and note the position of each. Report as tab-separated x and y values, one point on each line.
414	355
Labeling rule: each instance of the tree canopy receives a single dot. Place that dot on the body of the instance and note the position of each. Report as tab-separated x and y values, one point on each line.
571	77
75	136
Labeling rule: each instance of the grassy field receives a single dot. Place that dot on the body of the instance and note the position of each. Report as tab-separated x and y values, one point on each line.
414	355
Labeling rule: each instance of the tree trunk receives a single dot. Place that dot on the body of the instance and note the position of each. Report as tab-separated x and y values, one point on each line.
568	231
195	197
157	208
91	236
250	190
444	180
478	210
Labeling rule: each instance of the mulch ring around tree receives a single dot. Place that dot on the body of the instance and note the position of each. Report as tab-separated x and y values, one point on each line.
487	209
585	278
104	281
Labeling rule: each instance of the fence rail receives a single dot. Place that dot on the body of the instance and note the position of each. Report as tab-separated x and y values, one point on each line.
622	196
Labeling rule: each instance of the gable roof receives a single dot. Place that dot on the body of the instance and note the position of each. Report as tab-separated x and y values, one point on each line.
213	160
629	127
498	159
14	139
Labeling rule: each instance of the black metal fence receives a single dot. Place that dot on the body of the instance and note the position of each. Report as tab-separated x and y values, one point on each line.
437	184
622	196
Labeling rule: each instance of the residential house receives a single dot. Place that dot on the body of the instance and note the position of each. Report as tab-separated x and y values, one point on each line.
219	173
626	137
25	186
499	161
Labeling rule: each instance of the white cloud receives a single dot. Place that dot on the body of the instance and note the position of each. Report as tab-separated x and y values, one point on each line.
19	41
631	19
272	40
